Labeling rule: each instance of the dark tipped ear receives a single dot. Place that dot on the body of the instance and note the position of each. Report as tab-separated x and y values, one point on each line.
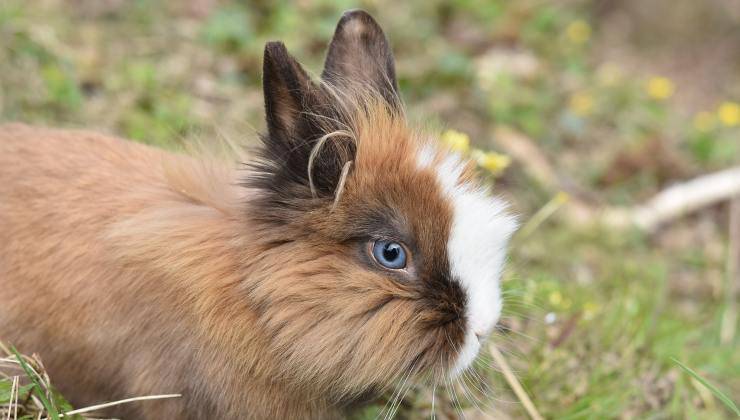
298	114
286	88
359	55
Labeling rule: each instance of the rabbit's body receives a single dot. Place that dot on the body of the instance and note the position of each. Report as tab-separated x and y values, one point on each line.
350	254
103	264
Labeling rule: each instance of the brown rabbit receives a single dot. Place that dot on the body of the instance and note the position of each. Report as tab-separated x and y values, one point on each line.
351	253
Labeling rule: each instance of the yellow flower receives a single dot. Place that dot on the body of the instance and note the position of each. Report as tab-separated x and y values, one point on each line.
494	162
578	32
729	113
704	121
660	88
457	141
581	104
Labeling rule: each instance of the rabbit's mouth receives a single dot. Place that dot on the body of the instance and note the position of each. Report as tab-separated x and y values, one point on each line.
472	343
467	354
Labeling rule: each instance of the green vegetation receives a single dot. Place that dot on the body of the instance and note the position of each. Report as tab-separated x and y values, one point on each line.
595	319
719	394
25	391
48	406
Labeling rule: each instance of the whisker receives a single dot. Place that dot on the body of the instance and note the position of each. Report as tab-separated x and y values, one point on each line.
450	383
469	394
434	392
400	401
527	336
397	395
490	364
489	392
393	396
456	399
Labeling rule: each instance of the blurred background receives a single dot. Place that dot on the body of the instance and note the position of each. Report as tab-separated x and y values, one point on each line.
579	112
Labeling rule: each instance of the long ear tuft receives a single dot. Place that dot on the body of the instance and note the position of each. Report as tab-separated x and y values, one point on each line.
360	57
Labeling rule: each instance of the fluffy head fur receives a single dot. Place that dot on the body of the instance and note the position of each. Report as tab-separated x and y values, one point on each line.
254	293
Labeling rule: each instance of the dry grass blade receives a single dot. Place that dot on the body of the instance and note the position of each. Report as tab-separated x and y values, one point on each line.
514	383
13	400
119	402
544	213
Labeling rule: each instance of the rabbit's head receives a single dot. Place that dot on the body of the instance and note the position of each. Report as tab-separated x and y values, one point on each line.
379	253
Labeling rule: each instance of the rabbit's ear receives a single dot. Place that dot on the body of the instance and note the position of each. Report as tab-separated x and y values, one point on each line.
360	57
287	89
298	114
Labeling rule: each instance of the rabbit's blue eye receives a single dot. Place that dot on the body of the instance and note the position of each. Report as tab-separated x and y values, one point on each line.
389	254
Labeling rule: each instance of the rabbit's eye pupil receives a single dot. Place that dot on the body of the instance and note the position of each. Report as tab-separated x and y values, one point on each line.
389	254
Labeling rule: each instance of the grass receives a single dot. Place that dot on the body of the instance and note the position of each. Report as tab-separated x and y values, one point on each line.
713	389
26	391
50	408
595	319
25	388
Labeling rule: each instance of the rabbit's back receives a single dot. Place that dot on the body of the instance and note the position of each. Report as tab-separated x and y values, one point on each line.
63	295
115	262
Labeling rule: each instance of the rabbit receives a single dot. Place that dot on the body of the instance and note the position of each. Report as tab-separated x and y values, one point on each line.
349	252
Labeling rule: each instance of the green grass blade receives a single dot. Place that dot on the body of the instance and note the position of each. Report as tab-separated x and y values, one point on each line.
717	393
53	414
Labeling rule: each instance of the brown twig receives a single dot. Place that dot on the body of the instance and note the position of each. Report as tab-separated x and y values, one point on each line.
670	204
684	198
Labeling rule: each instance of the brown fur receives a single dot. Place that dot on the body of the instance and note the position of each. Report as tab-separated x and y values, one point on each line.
133	271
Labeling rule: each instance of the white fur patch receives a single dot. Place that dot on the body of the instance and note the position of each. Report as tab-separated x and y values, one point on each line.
480	232
425	157
467	354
